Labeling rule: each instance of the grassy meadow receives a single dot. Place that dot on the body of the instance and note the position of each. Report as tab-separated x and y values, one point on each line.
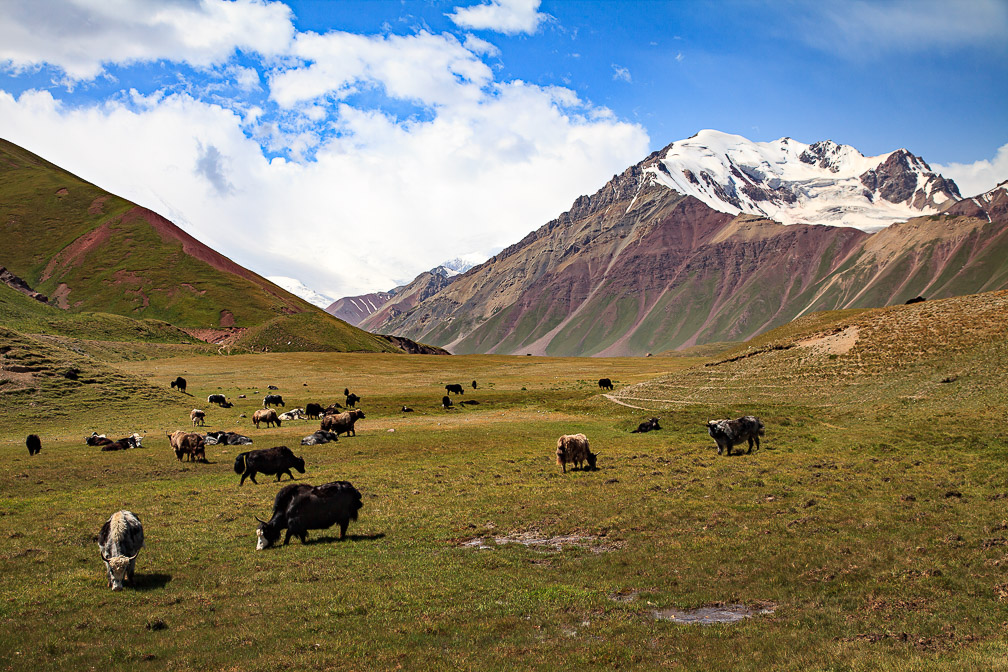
870	531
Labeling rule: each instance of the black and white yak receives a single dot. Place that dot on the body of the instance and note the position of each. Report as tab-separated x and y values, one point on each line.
119	541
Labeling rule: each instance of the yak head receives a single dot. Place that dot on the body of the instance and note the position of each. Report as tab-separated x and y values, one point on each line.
299	464
117	568
592	457
267	533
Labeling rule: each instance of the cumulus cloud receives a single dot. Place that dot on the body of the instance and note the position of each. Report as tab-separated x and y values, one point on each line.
480	47
82	37
862	28
979	176
503	16
381	201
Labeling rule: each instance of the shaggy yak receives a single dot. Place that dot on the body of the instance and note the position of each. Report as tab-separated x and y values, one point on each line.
131	441
270	461
446	402
300	508
220	400
605	384
727	433
119	541
34	444
272	400
573	448
352	400
189	444
313	411
267	415
342	423
180	383
454	389
197	416
647	426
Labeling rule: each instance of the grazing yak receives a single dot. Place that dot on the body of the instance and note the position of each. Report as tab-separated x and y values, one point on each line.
220	400
727	432
342	423
277	461
605	384
300	508
319	437
313	411
454	389
272	400
119	541
446	402
647	426
227	439
197	416
189	444
34	444
267	415
180	383
574	448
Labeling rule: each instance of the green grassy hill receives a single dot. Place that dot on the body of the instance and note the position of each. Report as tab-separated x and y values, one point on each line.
91	251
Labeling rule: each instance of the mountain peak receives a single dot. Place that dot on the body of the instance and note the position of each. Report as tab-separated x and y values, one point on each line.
793	182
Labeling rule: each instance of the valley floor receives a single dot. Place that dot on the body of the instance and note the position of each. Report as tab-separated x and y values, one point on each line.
858	538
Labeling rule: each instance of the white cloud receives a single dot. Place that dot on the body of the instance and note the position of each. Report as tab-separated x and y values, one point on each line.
382	201
620	73
424	68
979	176
503	16
480	47
81	37
863	28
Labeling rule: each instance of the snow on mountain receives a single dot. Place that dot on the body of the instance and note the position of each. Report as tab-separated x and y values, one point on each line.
792	182
461	264
298	288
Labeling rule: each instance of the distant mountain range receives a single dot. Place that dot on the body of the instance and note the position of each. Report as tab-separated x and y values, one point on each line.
379	307
298	288
717	238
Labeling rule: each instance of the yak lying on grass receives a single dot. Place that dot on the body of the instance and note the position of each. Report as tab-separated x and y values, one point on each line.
727	432
319	437
277	461
227	439
647	426
300	508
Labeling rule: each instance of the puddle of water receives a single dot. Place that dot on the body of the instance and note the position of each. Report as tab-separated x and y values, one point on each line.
727	613
533	540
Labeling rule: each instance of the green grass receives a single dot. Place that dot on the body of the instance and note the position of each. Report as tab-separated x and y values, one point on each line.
877	537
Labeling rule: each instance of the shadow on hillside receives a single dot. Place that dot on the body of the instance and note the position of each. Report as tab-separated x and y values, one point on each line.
150	581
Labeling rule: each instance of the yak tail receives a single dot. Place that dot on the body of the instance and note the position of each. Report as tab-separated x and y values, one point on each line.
240	463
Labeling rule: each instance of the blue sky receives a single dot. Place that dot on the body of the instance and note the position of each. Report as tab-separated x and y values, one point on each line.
353	144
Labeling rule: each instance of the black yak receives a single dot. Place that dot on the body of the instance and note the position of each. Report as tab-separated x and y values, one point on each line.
180	383
300	508
605	384
454	389
34	444
277	461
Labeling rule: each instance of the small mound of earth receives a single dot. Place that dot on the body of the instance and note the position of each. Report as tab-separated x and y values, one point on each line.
712	614
839	343
539	542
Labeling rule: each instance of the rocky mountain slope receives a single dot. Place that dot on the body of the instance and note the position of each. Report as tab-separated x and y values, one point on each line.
641	267
91	251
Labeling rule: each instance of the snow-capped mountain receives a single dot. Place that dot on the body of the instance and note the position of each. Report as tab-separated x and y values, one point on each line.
794	183
298	288
461	264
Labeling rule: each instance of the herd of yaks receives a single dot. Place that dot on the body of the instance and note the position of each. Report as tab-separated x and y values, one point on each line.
298	508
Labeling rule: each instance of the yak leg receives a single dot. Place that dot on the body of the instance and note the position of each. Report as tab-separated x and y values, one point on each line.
343	528
756	438
729	446
287	536
252	476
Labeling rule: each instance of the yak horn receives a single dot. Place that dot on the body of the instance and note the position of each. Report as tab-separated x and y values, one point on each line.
259	519
102	553
133	557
